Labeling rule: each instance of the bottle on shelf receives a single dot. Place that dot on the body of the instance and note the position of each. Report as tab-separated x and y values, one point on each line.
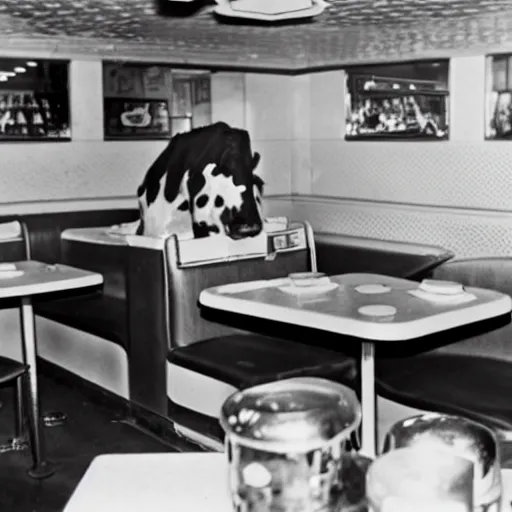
37	119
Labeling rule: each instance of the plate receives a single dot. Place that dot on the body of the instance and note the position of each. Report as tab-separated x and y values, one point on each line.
441	287
443	298
226	10
377	310
305	275
308	279
271	8
308	290
9	274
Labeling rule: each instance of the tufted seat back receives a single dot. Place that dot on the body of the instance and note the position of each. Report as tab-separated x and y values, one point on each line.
185	283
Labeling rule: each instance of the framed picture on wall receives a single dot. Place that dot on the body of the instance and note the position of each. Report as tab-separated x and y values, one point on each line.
498	95
34	100
153	101
397	101
128	117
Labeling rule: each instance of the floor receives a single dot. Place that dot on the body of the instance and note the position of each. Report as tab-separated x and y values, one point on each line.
88	431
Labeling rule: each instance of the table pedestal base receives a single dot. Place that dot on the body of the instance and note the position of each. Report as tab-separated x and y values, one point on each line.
44	470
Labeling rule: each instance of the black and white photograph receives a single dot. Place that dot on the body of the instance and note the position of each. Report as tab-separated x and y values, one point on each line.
136	118
498	112
255	255
398	101
34	100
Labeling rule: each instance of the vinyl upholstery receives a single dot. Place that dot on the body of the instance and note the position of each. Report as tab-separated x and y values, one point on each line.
469	374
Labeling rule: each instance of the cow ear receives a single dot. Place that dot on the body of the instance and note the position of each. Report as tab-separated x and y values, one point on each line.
255	160
258	181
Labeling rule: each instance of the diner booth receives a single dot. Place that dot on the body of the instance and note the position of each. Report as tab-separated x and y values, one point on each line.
384	155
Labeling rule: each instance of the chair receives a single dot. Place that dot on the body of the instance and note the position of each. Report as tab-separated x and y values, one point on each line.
15	246
211	355
13	371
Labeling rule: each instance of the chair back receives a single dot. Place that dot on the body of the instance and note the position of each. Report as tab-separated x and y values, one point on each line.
14	241
291	250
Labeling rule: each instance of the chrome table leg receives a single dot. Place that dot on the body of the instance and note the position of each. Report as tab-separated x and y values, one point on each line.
42	468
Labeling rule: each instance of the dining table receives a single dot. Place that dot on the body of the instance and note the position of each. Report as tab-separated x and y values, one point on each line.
25	280
371	308
188	482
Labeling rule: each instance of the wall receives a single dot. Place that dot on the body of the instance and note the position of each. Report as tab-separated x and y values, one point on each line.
455	193
91	173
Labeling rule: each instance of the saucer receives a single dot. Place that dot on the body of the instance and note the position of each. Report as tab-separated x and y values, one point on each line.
9	274
226	10
308	290
4	267
440	298
441	287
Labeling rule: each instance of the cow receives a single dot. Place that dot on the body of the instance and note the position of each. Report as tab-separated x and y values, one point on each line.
204	182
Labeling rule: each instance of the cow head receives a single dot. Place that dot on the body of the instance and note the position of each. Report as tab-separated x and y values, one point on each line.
205	177
226	197
218	207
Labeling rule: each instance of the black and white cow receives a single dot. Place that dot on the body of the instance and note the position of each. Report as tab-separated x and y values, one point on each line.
204	180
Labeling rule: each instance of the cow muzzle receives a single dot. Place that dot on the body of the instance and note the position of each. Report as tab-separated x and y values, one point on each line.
238	231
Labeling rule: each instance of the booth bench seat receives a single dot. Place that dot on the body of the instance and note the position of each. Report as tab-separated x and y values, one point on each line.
102	313
92	325
468	372
344	254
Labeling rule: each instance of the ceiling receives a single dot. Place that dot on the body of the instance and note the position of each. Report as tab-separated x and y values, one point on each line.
347	31
134	19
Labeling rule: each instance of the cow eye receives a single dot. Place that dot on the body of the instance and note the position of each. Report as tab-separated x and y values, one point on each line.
258	199
219	202
201	200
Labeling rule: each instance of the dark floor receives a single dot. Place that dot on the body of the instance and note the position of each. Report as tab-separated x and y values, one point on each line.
88	431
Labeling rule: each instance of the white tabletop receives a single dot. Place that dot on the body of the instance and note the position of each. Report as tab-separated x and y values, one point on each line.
155	481
37	278
337	310
186	482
